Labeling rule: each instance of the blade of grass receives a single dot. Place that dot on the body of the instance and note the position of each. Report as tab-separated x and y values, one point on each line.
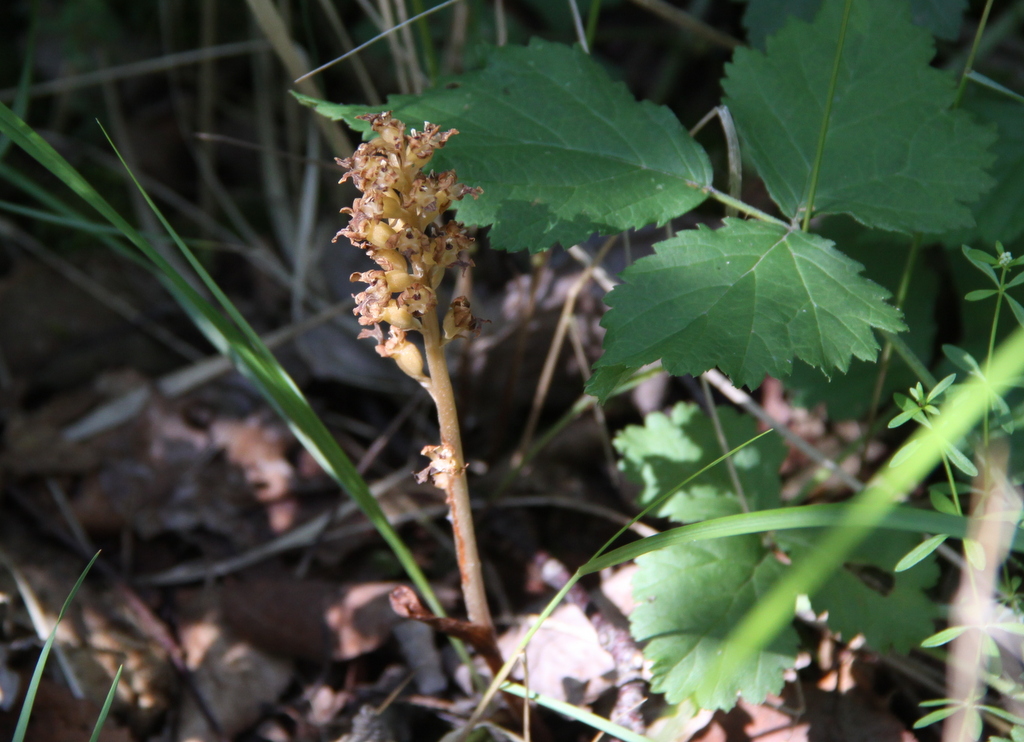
135	69
21	95
823	132
276	30
237	340
782	519
105	711
599	723
37	674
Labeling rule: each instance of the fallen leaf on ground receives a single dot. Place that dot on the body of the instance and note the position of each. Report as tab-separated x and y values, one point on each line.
565	658
311	619
235	679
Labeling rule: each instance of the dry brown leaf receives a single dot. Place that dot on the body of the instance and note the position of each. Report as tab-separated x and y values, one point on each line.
235	679
311	619
854	716
565	658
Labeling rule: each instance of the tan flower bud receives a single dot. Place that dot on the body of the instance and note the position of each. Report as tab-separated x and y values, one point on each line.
404	353
399	280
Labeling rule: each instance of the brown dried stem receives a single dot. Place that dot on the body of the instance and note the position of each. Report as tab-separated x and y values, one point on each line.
397	222
456	487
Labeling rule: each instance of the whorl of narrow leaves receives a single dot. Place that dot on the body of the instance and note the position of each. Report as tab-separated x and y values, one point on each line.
895	156
748	298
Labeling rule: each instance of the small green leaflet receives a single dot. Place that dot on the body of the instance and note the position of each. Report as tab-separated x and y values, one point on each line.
688	598
665	450
895	156
560	149
748	297
867	596
764	17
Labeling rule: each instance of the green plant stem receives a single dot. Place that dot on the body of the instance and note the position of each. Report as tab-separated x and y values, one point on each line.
592	15
429	52
992	345
962	87
823	133
886	356
952	484
910	358
740	206
457	489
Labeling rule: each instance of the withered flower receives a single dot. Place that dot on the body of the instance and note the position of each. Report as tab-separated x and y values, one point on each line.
397	223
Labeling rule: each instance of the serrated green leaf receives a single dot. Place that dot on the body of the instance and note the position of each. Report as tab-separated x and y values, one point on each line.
560	149
669	448
998	214
895	156
685	633
606	379
890	609
764	17
918	553
849	396
748	297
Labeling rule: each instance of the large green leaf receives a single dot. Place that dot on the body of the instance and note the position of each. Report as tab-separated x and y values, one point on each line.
764	17
748	298
895	156
999	214
688	599
668	449
560	149
882	254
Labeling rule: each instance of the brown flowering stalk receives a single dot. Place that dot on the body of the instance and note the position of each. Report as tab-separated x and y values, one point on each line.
397	223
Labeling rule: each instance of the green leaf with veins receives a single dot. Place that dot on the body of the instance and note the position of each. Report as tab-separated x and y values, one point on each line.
999	214
895	156
552	139
765	17
688	600
867	596
748	297
667	449
848	396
